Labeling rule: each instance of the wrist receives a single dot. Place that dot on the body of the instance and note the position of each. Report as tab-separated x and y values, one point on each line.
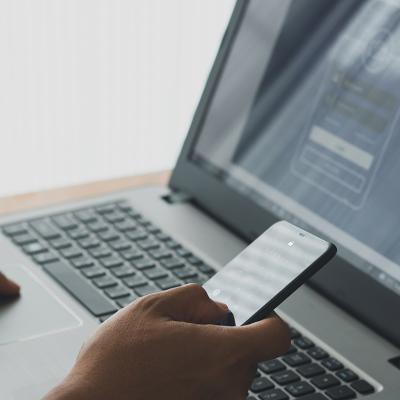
70	389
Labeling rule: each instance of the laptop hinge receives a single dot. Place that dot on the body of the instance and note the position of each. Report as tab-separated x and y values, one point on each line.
176	197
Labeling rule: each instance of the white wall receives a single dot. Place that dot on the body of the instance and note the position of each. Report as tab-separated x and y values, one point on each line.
93	89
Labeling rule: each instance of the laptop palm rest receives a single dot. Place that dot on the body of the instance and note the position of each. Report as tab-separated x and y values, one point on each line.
35	313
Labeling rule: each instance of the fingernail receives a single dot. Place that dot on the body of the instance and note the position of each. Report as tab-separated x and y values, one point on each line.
14	287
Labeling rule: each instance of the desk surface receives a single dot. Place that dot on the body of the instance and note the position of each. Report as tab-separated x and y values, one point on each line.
39	199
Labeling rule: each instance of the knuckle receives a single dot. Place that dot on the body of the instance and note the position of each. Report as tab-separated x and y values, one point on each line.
197	290
148	302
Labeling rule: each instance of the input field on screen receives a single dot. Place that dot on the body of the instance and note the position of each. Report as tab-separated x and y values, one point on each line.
332	169
341	147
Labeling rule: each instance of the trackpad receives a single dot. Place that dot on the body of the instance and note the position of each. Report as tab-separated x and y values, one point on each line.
36	312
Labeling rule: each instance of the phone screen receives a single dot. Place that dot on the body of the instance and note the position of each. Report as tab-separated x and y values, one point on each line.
264	268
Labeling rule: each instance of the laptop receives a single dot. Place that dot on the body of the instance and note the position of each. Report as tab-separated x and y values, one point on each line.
298	121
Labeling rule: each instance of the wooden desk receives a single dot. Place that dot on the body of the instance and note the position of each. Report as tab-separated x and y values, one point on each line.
48	197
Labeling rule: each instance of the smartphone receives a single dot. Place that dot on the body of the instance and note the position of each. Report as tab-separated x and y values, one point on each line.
267	272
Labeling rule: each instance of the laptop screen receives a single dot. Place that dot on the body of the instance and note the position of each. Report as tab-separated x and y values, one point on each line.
304	121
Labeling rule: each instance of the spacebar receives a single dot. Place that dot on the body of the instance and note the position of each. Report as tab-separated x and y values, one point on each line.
93	300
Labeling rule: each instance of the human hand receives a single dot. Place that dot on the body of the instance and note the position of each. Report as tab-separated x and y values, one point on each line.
8	288
165	346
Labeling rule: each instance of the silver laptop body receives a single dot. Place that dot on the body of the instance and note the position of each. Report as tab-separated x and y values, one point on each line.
241	169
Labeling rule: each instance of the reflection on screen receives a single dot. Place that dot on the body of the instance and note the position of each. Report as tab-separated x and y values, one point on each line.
305	120
263	269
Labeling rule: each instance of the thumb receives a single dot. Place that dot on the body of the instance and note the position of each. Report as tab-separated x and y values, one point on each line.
7	286
190	303
262	340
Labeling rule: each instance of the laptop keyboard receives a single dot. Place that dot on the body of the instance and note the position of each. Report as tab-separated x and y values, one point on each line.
109	255
306	372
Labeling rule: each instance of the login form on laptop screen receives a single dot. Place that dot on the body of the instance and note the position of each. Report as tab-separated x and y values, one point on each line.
305	120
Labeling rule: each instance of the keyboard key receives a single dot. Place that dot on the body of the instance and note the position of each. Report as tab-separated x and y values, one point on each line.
86	216
126	225
44	229
291	350
123	270
303	342
317	353
332	364
15	229
114	217
131	254
199	280
78	234
168	283
271	366
105	281
158	254
89	243
310	370
146	289
82	262
24	238
116	292
142	220
296	359
152	228
135	281
347	375
105	208
341	393
100	252
46	257
294	333
155	272
143	263
105	317
260	384
109	235
60	243
274	394
34	248
65	221
71	252
111	262
172	244
183	252
120	245
124	206
298	389
138	234
325	381
185	272
97	226
314	396
206	269
148	244
172	262
162	236
125	301
285	377
194	260
79	287
93	272
362	387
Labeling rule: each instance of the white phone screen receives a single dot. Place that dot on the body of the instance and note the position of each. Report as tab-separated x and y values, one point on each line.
264	268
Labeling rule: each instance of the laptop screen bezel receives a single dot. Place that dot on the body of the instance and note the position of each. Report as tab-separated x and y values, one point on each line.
358	293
